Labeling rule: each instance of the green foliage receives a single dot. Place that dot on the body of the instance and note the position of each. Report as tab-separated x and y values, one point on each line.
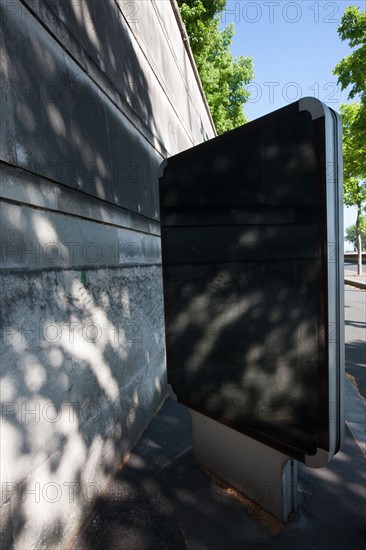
351	235
354	156
197	12
223	76
351	71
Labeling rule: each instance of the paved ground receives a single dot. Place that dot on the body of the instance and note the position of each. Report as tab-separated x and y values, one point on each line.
161	500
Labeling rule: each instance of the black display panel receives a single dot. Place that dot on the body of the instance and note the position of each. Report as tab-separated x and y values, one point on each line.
252	279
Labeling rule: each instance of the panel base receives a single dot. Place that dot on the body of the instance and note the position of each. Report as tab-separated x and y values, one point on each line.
266	476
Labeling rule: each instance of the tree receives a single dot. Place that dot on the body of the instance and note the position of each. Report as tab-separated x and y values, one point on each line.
354	155
223	76
351	71
351	234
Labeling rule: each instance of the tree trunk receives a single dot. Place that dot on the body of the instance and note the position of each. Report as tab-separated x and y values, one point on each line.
359	240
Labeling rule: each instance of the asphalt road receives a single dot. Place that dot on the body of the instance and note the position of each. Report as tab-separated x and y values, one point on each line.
355	336
351	267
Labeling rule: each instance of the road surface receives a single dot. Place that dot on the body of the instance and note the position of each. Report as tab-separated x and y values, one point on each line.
355	335
355	386
351	268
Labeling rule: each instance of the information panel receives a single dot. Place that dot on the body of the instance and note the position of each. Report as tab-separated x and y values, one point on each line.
252	245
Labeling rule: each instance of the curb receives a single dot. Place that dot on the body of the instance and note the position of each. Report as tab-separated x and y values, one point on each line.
356	284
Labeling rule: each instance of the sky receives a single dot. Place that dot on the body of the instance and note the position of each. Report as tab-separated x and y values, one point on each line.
295	46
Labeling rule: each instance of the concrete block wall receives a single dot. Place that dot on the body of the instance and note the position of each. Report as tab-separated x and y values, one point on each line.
94	95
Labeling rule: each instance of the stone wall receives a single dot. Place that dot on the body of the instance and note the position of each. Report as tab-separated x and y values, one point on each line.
94	95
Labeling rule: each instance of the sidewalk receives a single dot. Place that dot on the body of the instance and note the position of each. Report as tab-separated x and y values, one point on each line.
160	500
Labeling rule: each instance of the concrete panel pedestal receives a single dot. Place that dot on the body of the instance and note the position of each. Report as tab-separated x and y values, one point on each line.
264	475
